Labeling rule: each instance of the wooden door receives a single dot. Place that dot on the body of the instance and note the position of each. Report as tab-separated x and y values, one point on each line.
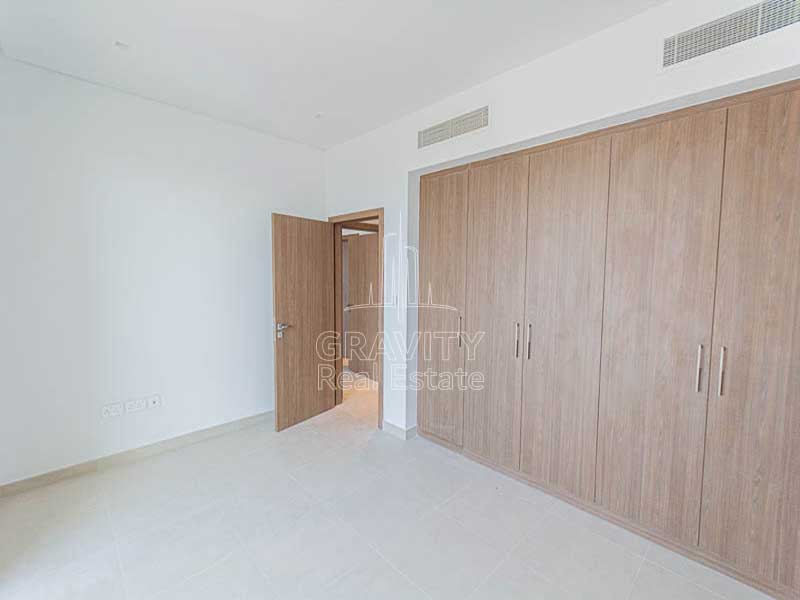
363	301
302	273
498	202
751	495
567	212
442	275
663	229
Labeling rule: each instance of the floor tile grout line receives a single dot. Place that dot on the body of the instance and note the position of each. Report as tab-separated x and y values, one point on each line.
193	575
607	539
635	579
692	580
496	568
397	569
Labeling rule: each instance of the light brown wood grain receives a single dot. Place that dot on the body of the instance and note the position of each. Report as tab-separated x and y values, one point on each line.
498	201
701	108
302	268
363	300
750	517
751	497
339	245
663	229
442	281
359	226
567	210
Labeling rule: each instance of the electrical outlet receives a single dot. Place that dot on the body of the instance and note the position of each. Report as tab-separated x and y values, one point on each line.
112	410
154	402
136	405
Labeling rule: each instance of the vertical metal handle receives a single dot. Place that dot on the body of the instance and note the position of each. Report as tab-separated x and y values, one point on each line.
722	352
459	331
530	327
516	341
699	368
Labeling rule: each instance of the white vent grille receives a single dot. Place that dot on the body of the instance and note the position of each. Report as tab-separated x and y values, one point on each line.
737	27
455	126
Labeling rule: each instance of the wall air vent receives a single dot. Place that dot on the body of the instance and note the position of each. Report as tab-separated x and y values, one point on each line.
742	25
454	127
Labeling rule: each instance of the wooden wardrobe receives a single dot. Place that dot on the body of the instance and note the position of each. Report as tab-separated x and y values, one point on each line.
632	299
362	308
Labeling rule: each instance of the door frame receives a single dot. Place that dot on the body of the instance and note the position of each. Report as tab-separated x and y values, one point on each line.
339	223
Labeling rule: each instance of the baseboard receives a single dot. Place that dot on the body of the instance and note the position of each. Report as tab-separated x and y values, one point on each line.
133	455
399	432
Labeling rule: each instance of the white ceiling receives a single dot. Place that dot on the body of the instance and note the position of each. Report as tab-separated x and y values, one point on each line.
275	66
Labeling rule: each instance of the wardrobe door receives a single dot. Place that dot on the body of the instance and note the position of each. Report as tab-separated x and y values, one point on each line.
498	202
363	269
567	211
751	495
663	230
442	272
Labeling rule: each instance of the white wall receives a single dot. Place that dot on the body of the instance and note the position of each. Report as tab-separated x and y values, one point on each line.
134	260
611	77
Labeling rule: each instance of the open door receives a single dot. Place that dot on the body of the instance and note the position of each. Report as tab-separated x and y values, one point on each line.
303	276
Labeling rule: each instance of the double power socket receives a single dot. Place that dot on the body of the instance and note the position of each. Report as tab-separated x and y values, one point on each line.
131	406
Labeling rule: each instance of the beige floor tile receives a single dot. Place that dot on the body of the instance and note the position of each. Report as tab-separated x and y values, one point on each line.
580	561
337	474
167	556
92	577
380	507
515	580
655	583
623	537
432	476
494	515
306	558
234	578
727	587
441	556
31	547
371	579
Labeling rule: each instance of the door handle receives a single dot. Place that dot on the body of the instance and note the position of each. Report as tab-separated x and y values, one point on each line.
722	351
530	329
697	384
516	341
280	328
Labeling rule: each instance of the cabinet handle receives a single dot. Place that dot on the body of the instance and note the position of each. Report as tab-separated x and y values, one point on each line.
722	352
459	331
516	341
697	384
530	327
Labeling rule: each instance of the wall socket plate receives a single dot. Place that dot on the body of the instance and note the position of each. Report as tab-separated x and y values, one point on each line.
135	405
113	410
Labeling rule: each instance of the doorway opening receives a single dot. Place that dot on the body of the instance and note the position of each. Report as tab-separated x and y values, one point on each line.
358	305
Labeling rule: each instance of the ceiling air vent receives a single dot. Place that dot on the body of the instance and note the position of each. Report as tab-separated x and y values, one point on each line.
737	27
455	126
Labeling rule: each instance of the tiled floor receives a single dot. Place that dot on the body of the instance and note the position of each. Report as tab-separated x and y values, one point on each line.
330	509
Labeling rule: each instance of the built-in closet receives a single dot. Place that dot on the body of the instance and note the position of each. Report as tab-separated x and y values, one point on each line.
632	300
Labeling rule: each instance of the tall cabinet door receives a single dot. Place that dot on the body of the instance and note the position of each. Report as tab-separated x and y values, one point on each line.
364	288
567	210
498	202
751	498
442	274
663	230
